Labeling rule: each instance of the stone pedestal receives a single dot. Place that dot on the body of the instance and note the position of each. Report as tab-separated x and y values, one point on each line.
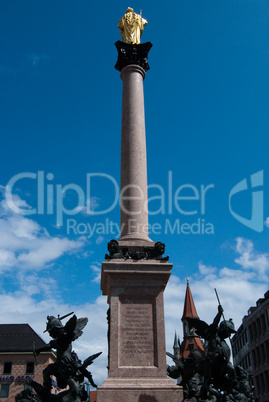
137	356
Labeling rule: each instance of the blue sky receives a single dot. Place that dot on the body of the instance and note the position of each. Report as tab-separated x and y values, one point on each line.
206	105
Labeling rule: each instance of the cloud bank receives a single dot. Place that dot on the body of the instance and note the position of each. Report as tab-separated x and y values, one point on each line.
24	244
27	249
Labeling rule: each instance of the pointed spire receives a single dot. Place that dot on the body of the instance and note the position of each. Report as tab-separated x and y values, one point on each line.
189	306
191	340
176	343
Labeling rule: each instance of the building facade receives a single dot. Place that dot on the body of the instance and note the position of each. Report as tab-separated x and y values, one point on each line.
17	362
251	346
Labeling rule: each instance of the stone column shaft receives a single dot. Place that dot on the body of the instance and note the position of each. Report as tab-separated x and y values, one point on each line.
134	208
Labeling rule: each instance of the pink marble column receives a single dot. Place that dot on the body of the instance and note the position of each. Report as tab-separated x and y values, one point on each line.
134	200
134	287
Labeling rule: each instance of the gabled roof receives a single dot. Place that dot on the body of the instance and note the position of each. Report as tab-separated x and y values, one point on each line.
189	306
192	343
18	338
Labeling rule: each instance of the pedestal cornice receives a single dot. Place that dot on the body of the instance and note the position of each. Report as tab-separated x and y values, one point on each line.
134	273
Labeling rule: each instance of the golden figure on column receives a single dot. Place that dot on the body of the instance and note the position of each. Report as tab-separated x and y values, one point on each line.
131	26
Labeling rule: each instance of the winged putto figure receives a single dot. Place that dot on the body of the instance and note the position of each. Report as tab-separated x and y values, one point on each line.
68	369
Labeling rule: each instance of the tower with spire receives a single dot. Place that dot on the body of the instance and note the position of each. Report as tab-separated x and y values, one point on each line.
190	339
176	346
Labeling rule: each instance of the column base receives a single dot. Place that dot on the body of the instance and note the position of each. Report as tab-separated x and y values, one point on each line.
139	390
138	242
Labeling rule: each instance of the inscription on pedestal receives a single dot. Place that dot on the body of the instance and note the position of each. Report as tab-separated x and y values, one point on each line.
137	332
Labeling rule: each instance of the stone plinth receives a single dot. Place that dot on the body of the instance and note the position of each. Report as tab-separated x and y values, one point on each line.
137	356
139	390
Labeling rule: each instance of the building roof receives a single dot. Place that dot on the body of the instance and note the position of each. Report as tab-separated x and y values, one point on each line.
259	302
192	343
18	338
189	306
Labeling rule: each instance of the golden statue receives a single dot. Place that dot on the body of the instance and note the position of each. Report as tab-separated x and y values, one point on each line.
131	26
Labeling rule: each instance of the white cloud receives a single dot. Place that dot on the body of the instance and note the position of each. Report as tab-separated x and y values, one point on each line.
244	245
92	203
96	268
205	270
267	222
34	284
24	244
99	240
89	208
7	258
250	259
48	250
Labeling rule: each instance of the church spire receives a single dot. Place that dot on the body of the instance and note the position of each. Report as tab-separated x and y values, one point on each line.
176	346
191	339
189	306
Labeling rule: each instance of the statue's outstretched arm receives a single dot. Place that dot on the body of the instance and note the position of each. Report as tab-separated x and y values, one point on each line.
51	345
216	321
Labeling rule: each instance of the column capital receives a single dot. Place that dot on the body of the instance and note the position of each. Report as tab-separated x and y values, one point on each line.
132	54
